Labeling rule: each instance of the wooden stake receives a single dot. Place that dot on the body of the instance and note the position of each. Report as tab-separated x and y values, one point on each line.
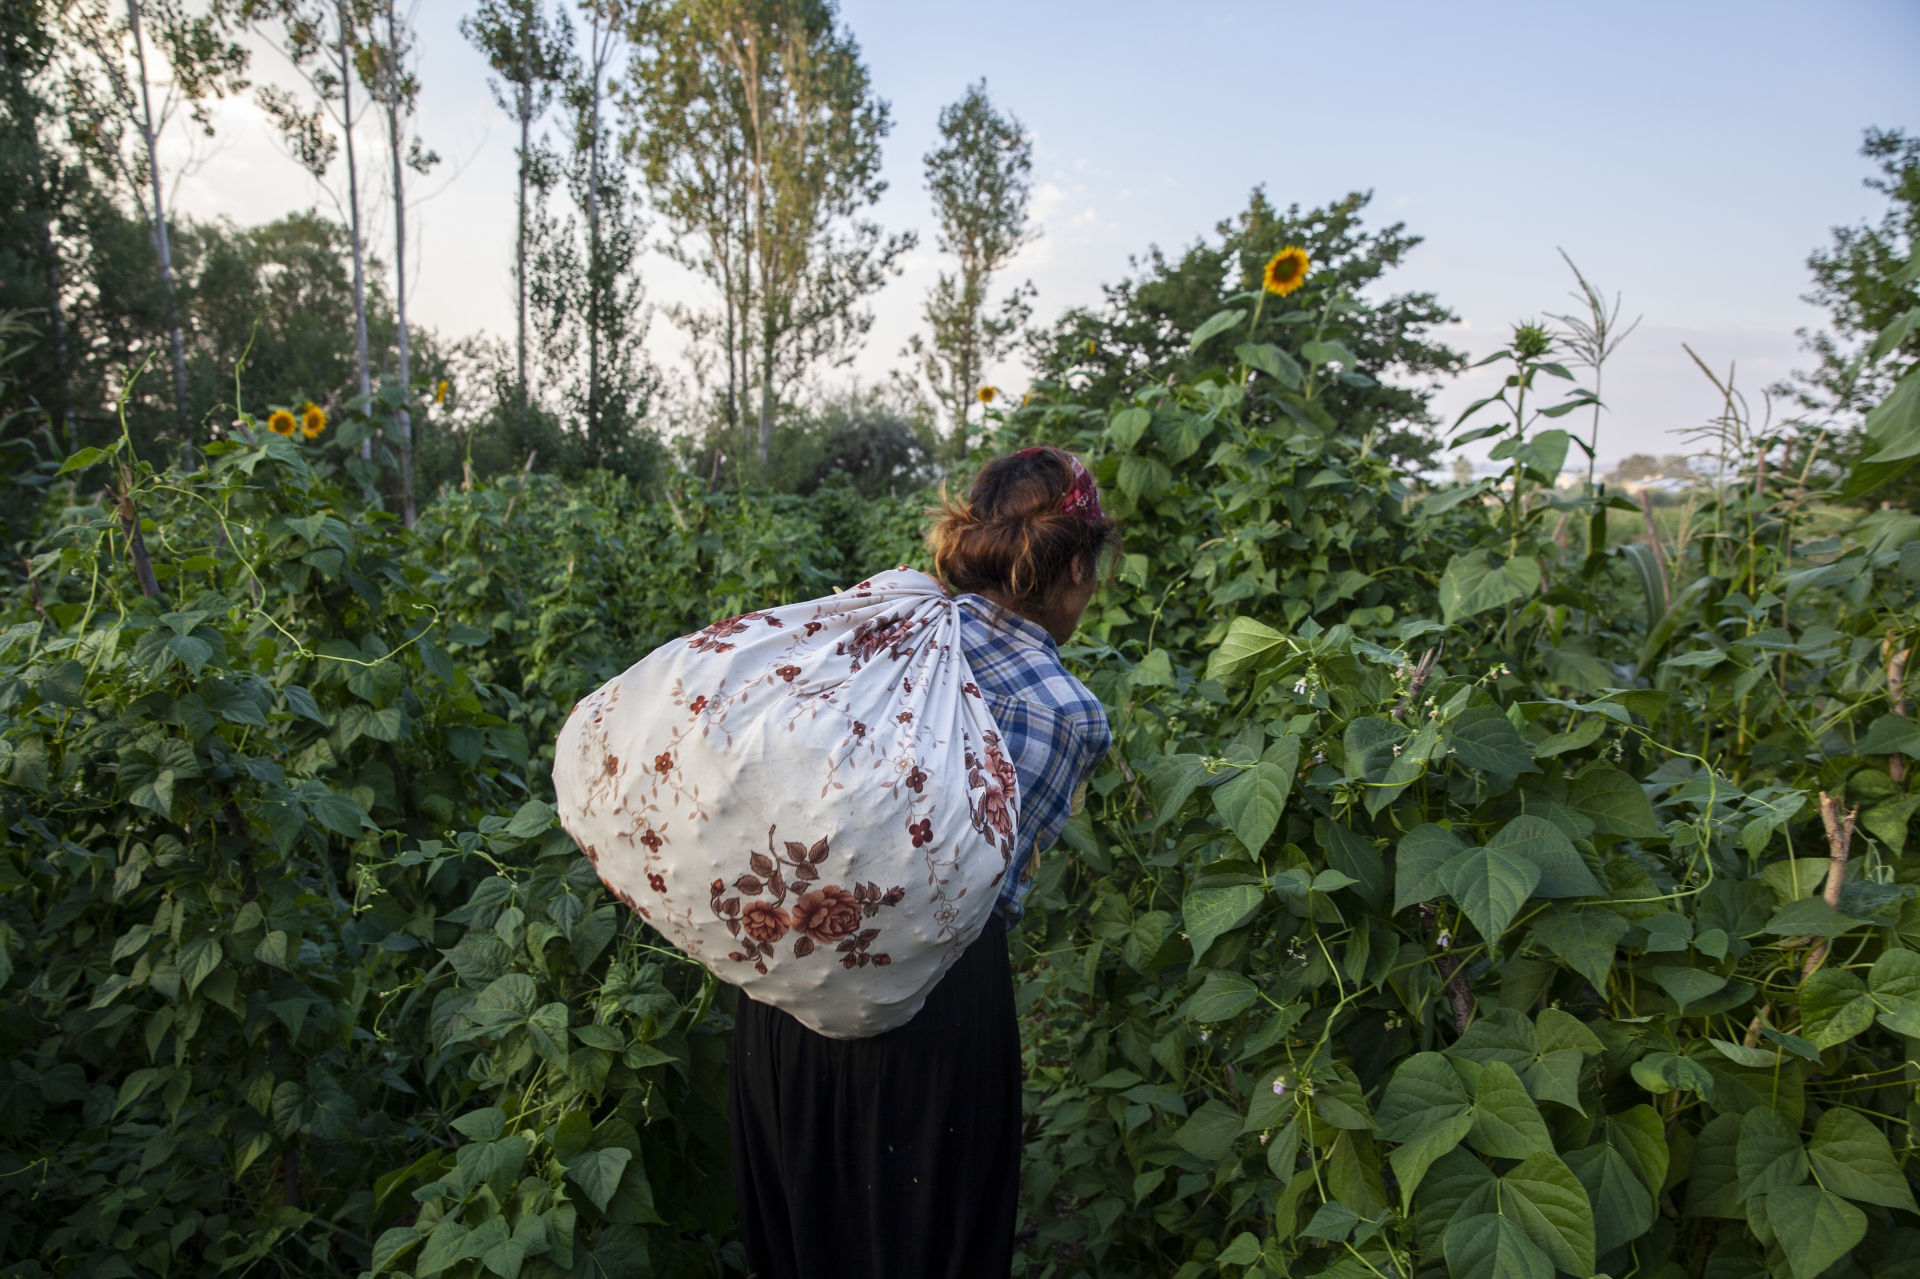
136	544
524	471
1839	848
1418	683
1459	996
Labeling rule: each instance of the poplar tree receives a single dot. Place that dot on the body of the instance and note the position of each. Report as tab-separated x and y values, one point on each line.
322	39
384	68
590	155
590	382
532	55
111	91
757	131
687	133
979	180
1864	278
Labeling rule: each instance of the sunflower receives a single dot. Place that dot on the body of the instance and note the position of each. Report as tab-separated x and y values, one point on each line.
313	420
280	422
1286	270
440	392
986	394
1531	341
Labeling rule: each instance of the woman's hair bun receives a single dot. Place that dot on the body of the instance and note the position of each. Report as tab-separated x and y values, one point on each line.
1012	534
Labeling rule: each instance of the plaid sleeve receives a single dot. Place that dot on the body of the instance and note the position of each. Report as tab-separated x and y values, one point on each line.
1054	730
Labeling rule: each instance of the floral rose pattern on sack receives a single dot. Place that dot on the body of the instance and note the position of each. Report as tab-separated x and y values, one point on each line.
994	777
869	638
709	640
822	916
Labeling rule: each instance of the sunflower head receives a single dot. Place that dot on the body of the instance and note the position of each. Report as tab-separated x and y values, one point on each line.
280	422
1531	341
440	392
1286	270
1092	348
986	394
313	420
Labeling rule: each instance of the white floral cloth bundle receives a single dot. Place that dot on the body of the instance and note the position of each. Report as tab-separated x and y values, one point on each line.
812	801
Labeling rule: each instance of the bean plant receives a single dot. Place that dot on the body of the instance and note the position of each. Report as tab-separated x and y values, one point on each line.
1462	896
1442	912
299	972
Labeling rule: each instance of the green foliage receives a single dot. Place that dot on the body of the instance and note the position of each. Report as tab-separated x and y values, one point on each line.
980	178
880	439
1510	959
279	295
1866	282
1432	915
1860	280
1155	328
284	906
767	200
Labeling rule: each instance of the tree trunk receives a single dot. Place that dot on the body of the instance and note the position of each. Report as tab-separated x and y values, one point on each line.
130	529
353	209
1839	850
56	312
525	104
976	286
593	250
162	244
766	380
401	417
733	380
747	64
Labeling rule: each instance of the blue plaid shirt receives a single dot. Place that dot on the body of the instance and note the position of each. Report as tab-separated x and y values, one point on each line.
1054	730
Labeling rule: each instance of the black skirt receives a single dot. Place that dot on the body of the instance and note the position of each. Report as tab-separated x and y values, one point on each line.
895	1157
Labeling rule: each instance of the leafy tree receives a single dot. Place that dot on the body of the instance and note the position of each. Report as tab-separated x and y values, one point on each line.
112	116
326	60
34	193
1145	329
385	68
73	163
1868	280
1864	281
531	53
978	177
273	310
607	312
875	439
696	176
756	130
1644	466
77	256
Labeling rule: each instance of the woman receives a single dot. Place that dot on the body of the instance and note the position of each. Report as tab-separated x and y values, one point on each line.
898	1156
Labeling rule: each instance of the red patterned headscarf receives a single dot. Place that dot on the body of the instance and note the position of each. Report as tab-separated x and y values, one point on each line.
1083	498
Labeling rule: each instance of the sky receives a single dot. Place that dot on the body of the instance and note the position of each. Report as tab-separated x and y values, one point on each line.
1687	155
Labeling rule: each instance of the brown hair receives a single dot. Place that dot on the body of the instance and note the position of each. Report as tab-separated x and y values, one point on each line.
1011	534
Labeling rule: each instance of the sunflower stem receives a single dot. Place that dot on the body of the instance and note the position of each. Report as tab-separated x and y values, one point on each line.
1258	303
